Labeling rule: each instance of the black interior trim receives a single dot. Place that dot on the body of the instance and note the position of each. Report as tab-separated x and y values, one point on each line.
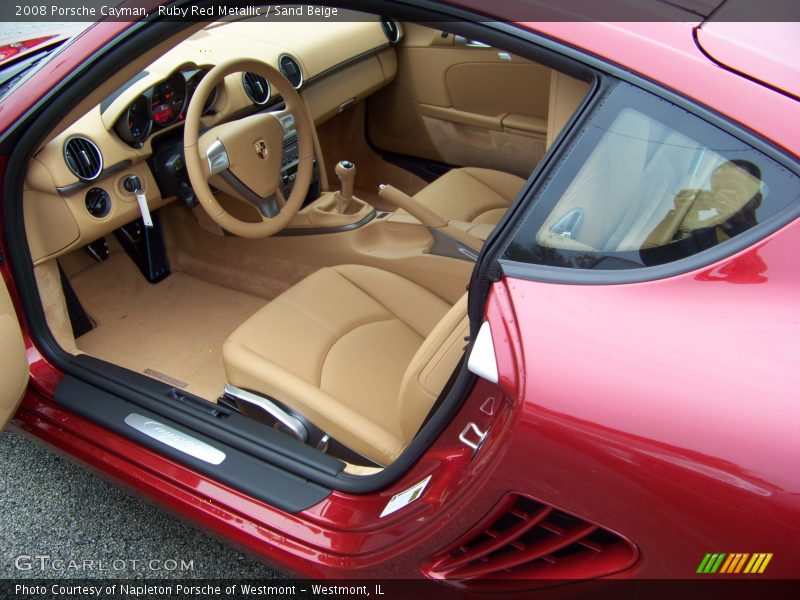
343	65
228	426
324	230
427	169
254	476
79	185
145	247
78	318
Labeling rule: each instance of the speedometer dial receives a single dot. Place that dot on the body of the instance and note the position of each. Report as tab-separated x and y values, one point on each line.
168	100
192	84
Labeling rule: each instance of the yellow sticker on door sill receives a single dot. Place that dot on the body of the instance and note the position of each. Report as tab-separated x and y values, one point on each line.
405	498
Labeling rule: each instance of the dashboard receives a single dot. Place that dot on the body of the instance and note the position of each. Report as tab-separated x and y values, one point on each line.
77	183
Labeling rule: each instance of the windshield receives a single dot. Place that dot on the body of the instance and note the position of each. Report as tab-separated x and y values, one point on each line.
14	73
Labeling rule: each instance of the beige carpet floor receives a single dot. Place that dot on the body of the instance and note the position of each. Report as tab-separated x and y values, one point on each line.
174	328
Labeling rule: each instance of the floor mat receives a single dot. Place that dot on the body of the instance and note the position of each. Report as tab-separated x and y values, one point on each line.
172	330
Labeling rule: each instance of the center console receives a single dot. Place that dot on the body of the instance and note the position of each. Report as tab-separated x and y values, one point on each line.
289	164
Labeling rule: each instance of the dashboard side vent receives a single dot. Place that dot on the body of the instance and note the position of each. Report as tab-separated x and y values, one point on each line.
291	70
390	29
525	544
83	158
256	88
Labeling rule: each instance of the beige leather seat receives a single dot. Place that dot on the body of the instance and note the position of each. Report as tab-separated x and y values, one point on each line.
472	195
482	196
361	352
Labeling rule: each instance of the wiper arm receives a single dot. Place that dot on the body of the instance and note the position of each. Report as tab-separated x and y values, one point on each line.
12	74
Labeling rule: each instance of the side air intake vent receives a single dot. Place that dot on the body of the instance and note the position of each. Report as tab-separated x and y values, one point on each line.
291	70
524	544
83	158
256	88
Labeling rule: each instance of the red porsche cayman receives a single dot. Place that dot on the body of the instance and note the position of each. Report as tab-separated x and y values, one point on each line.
483	294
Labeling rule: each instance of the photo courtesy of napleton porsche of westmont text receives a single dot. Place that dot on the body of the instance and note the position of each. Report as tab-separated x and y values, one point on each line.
136	590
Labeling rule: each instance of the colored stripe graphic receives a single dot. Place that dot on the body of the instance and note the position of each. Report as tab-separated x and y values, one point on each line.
710	563
755	562
767	558
726	565
737	563
703	563
733	563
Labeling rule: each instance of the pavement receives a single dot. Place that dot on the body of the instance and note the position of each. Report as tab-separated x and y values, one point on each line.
52	507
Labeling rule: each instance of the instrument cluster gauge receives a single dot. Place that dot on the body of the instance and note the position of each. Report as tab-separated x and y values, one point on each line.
194	79
135	124
168	100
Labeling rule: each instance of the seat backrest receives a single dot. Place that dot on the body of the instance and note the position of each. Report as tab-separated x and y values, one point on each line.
566	94
431	367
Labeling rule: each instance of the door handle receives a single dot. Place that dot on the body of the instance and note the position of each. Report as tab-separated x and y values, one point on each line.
460	40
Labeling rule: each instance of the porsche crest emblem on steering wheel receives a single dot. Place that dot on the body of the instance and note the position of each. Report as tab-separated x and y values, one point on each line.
261	148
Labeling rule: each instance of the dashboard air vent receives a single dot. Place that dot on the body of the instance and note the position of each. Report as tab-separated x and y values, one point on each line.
291	70
525	544
83	158
256	87
390	29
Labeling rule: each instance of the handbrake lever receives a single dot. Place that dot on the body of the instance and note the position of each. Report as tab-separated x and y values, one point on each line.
439	226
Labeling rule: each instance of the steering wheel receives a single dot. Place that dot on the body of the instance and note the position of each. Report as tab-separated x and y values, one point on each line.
243	157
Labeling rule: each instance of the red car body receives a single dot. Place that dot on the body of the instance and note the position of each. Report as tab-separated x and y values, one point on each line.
10	50
680	443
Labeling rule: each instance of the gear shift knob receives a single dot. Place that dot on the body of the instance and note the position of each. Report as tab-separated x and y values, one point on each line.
346	172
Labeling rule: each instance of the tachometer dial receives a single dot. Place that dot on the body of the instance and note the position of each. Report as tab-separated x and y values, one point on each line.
168	100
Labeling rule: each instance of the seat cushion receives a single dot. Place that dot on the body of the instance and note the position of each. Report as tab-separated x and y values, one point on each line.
472	195
335	348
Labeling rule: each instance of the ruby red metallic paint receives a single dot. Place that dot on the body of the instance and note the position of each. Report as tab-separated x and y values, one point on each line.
673	404
12	50
667	53
758	50
663	411
340	537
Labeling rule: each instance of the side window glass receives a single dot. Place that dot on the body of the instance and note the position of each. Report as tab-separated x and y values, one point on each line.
648	183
